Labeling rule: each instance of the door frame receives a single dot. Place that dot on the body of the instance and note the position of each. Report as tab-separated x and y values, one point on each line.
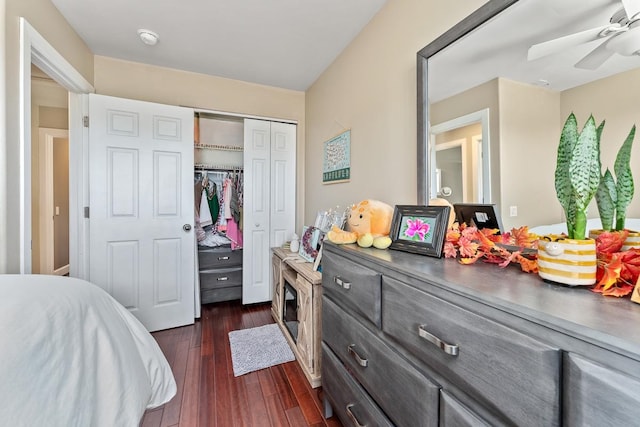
37	50
45	186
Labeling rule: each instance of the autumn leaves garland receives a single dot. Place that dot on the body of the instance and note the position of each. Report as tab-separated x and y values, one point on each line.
617	273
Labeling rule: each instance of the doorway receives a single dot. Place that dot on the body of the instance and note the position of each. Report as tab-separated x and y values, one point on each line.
459	159
49	175
51	242
37	51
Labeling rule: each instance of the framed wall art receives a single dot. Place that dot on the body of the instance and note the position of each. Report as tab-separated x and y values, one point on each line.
336	162
419	229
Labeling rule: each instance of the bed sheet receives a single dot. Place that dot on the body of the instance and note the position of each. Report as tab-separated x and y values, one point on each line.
71	355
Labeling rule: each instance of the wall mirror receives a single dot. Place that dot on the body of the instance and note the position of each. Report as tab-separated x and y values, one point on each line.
499	86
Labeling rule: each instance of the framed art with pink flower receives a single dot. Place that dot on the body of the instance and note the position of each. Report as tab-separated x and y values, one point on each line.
419	229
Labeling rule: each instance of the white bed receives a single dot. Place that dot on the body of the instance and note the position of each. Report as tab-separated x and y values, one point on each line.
70	355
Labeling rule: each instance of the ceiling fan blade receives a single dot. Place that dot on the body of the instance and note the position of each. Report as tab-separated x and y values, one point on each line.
632	7
562	43
596	57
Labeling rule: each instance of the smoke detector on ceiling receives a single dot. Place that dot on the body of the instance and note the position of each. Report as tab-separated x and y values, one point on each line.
148	37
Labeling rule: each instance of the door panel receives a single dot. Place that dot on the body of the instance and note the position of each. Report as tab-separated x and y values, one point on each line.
141	162
269	200
283	182
255	276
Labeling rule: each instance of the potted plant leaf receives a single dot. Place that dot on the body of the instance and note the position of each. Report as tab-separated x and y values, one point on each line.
614	196
571	259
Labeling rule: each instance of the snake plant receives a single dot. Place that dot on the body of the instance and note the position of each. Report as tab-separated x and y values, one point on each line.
614	195
577	174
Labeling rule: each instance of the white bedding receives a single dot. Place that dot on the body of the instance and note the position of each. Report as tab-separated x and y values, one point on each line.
70	355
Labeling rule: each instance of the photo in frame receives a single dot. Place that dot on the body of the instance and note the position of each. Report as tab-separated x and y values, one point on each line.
310	243
419	229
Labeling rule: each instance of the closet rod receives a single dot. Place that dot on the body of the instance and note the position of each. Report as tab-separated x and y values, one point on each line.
217	168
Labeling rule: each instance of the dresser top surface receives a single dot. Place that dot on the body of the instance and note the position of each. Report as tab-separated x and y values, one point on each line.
612	322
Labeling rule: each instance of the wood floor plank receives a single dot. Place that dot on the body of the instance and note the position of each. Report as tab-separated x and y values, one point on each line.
295	417
152	418
190	399
277	415
285	391
258	408
303	396
171	415
267	382
209	394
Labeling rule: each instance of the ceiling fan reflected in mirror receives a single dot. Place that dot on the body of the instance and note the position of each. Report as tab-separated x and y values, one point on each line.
621	35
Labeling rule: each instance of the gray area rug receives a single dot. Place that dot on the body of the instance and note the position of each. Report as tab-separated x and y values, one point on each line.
258	348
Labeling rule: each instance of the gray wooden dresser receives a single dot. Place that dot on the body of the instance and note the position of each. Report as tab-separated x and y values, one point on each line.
411	340
220	270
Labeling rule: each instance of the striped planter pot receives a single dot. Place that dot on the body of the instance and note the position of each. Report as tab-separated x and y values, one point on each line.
567	261
632	241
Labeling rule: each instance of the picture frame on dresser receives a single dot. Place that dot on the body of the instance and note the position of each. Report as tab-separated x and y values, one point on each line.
419	229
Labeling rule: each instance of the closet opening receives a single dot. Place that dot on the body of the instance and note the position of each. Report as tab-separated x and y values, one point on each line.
219	183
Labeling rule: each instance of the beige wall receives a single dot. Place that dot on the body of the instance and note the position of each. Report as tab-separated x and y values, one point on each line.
46	19
168	86
529	132
615	100
371	89
3	145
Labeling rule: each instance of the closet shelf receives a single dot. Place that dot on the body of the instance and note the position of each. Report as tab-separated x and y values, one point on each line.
204	166
217	147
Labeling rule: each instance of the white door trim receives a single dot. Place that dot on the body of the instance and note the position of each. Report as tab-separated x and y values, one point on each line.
45	186
35	49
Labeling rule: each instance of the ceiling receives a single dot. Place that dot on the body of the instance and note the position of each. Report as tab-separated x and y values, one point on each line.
281	43
499	48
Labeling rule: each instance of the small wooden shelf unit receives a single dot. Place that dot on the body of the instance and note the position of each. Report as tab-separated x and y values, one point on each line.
291	268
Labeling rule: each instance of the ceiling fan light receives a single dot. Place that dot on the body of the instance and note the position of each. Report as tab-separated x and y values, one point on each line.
148	37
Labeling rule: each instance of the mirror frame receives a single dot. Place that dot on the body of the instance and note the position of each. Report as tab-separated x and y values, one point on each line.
468	24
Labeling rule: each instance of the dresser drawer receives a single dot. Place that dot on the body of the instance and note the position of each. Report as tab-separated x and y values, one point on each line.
354	287
349	401
222	257
221	294
595	395
517	375
455	414
220	278
406	396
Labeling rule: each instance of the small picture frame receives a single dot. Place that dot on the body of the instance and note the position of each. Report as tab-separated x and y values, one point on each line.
419	229
310	243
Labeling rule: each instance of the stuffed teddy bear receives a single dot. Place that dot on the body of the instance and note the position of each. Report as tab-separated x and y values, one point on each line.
368	223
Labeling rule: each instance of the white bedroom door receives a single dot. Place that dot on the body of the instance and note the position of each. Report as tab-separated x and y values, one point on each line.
269	201
142	208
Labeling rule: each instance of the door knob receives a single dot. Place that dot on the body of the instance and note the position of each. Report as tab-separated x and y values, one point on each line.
186	227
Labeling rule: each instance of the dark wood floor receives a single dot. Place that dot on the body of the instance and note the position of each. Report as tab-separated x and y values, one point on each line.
208	393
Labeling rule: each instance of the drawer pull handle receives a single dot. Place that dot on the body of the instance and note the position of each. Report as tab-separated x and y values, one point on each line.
362	362
344	285
450	349
353	417
222	278
223	258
